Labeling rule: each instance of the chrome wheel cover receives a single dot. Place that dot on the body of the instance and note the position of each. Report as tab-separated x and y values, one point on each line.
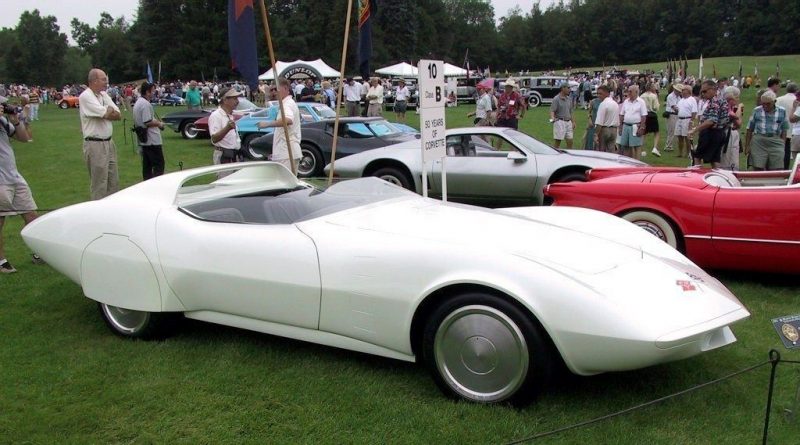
126	321
392	179
481	353
191	131
652	229
307	163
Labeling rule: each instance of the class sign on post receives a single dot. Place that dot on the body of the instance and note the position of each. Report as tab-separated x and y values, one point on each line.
432	99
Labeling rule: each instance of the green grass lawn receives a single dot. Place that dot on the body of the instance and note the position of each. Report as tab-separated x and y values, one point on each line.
64	378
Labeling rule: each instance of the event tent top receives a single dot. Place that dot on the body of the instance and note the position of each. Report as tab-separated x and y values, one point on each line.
324	70
402	69
451	70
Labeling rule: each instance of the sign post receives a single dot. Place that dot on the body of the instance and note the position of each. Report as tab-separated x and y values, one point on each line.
432	98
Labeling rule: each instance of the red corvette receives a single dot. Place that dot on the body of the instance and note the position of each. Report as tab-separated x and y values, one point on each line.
719	219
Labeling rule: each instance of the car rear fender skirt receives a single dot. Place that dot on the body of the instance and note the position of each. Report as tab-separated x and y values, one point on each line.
116	271
378	164
434	299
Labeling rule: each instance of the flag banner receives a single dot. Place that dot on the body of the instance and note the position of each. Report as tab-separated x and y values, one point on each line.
242	40
366	9
740	69
149	73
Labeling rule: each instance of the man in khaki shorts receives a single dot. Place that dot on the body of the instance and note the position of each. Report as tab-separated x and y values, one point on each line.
15	195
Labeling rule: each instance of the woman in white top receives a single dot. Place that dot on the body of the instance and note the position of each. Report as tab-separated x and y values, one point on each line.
482	108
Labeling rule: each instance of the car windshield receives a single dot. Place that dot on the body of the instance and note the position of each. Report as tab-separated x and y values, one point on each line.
287	205
324	111
529	142
245	104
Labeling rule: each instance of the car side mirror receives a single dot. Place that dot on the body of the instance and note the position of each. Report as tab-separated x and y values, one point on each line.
517	157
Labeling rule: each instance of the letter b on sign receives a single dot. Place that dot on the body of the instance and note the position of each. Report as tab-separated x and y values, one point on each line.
438	94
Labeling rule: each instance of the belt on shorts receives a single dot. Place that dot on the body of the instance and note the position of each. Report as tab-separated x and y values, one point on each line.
631	124
97	139
767	135
607	126
353	101
687	117
565	120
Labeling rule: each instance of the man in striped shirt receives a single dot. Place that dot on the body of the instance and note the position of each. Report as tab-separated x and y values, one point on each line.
766	132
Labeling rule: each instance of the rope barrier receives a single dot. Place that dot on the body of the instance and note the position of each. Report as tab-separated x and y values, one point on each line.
774	359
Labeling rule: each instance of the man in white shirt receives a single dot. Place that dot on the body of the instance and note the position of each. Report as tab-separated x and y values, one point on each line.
787	102
222	128
606	122
291	118
97	110
352	96
632	117
375	97
687	113
401	95
672	108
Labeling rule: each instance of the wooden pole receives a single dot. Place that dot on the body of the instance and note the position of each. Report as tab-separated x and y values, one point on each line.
265	19
339	90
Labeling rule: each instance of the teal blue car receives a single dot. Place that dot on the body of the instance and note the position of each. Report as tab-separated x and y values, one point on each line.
248	125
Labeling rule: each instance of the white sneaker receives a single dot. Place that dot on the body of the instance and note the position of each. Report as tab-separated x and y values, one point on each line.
656	152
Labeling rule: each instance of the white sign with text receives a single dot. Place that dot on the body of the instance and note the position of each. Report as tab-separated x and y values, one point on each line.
432	99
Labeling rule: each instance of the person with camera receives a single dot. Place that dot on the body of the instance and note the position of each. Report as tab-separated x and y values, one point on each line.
97	111
15	195
148	133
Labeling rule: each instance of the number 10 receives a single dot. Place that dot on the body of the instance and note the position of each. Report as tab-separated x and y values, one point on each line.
432	70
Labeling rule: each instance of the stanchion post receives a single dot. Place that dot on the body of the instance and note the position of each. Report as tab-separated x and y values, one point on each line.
774	358
339	91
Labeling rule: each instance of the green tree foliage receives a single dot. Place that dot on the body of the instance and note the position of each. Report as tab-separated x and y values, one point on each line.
36	50
189	37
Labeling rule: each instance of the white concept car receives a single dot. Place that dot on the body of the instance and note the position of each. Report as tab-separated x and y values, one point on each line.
491	301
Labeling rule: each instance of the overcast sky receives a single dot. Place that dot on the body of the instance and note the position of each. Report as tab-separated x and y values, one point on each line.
88	11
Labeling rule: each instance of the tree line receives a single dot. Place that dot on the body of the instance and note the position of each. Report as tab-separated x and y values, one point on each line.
189	37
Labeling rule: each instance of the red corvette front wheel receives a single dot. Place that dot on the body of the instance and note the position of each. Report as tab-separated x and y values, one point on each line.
655	225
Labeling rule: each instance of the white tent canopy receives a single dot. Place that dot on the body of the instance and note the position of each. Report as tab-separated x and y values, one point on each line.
402	69
453	71
324	70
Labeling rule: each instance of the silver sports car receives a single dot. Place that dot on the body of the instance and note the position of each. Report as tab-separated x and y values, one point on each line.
485	166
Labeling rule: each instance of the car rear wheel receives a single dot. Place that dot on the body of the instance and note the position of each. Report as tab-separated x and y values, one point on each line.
63	105
189	131
484	349
311	163
393	175
655	225
137	324
534	101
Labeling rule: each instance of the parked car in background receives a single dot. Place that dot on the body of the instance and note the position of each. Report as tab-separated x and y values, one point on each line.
542	89
718	218
494	303
68	102
183	122
248	125
356	134
170	99
478	172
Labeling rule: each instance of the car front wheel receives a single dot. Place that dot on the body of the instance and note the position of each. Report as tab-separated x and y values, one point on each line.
655	225
189	131
393	175
63	105
137	324
483	349
534	101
